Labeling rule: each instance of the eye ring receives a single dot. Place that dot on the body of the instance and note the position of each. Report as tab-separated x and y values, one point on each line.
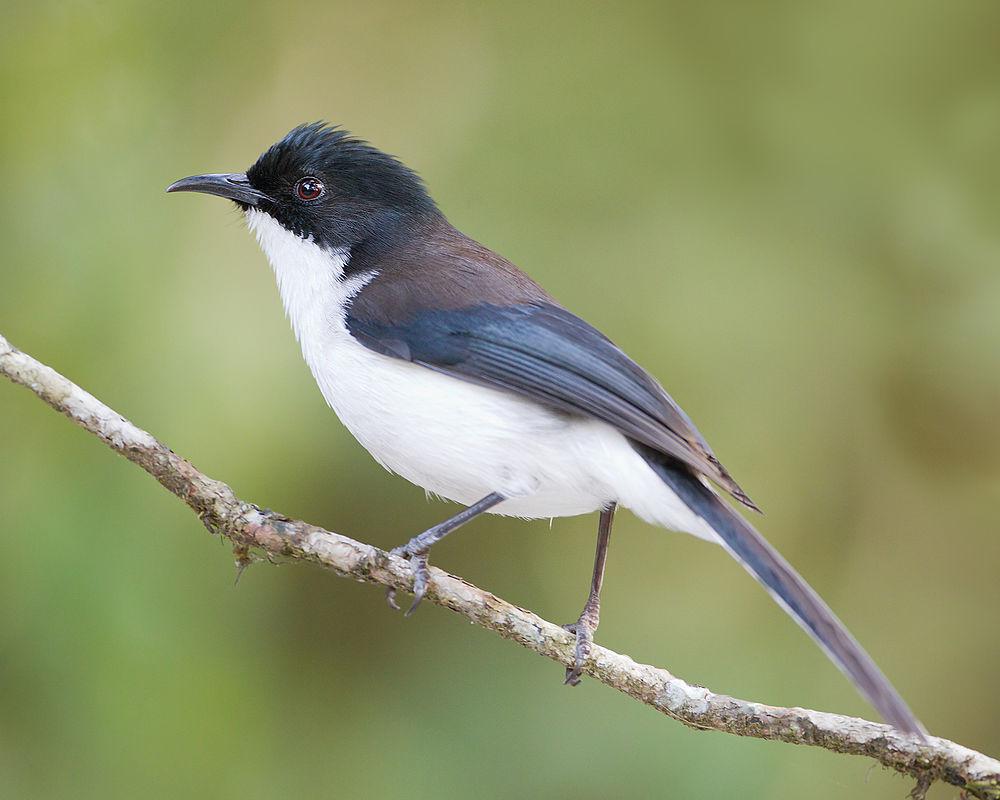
309	188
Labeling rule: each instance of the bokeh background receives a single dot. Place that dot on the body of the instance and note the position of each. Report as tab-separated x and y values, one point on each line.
786	211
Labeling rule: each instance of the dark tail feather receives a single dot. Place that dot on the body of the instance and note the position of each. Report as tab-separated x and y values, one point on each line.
788	588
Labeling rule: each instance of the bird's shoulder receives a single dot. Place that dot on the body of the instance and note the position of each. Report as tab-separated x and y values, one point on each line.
440	269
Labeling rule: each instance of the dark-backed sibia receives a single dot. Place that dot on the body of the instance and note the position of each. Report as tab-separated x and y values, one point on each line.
457	371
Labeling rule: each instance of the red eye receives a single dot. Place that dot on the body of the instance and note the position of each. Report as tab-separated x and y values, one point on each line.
308	189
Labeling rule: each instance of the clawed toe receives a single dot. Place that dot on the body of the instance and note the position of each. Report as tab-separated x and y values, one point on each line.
584	643
417	548
421	574
390	593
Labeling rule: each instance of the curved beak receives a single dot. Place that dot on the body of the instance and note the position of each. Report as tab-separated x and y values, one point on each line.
233	186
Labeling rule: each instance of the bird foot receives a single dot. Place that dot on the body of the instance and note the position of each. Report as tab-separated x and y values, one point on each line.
584	629
421	575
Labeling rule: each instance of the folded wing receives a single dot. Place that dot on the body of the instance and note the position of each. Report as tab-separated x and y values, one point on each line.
544	352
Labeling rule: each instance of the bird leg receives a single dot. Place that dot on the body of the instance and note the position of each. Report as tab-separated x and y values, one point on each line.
419	546
591	616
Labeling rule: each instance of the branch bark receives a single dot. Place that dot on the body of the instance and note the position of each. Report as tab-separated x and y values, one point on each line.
252	529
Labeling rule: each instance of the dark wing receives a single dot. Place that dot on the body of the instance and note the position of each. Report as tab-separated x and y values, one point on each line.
544	352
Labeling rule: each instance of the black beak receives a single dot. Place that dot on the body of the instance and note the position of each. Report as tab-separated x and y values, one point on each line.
233	186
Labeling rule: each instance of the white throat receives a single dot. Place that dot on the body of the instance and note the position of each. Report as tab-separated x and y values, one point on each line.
310	278
312	284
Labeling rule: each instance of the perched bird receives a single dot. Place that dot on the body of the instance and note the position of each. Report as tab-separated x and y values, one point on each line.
457	371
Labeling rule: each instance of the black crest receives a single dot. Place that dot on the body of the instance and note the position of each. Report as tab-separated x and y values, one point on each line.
364	193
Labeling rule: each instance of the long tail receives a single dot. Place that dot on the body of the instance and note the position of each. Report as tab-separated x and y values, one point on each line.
791	592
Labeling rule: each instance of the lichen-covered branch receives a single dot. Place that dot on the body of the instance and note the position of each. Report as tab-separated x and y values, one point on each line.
252	529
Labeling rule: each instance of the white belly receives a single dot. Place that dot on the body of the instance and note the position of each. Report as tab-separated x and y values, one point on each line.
463	441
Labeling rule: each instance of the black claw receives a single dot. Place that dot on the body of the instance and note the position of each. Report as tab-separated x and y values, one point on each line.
390	593
584	639
417	548
420	575
418	563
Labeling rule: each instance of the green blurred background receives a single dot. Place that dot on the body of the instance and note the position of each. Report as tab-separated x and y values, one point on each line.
786	211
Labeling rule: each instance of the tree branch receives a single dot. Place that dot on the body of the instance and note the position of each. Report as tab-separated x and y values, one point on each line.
250	528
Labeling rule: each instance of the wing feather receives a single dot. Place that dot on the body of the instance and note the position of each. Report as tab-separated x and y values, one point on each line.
544	352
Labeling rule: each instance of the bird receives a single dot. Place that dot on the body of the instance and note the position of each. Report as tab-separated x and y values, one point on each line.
457	371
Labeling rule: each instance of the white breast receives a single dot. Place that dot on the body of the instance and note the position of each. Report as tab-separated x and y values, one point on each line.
455	439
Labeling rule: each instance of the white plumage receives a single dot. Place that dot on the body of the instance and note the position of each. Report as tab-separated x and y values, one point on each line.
458	440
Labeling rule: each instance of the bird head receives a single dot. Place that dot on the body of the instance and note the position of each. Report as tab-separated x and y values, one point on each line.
323	185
